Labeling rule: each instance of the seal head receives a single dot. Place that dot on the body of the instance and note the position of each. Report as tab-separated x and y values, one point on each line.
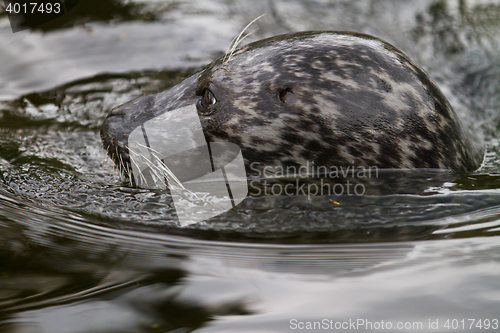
323	98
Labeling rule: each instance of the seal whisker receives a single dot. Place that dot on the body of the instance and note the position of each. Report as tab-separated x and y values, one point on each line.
159	171
119	165
123	169
140	175
238	39
161	166
234	48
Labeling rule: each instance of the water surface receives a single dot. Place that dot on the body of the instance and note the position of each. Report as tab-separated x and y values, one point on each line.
83	251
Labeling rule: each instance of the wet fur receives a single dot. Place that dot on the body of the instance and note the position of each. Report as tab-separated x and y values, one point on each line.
358	101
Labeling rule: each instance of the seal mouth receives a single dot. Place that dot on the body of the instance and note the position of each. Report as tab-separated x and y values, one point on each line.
114	140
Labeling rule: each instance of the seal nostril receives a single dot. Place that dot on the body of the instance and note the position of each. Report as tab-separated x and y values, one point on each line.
287	96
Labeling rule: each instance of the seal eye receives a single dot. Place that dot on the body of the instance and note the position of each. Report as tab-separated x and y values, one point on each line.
287	96
208	98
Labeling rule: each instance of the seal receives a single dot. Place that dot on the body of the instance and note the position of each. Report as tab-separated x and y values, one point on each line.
321	98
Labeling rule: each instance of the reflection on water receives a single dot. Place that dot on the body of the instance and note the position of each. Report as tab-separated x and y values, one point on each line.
62	274
82	251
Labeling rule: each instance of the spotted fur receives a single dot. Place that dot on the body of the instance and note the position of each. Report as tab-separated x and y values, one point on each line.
357	101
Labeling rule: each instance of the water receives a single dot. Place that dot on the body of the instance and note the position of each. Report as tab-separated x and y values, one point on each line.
82	251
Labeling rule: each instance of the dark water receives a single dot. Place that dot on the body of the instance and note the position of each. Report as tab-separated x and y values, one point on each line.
82	251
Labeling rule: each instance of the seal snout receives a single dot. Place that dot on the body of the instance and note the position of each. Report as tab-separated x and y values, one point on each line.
124	119
114	138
